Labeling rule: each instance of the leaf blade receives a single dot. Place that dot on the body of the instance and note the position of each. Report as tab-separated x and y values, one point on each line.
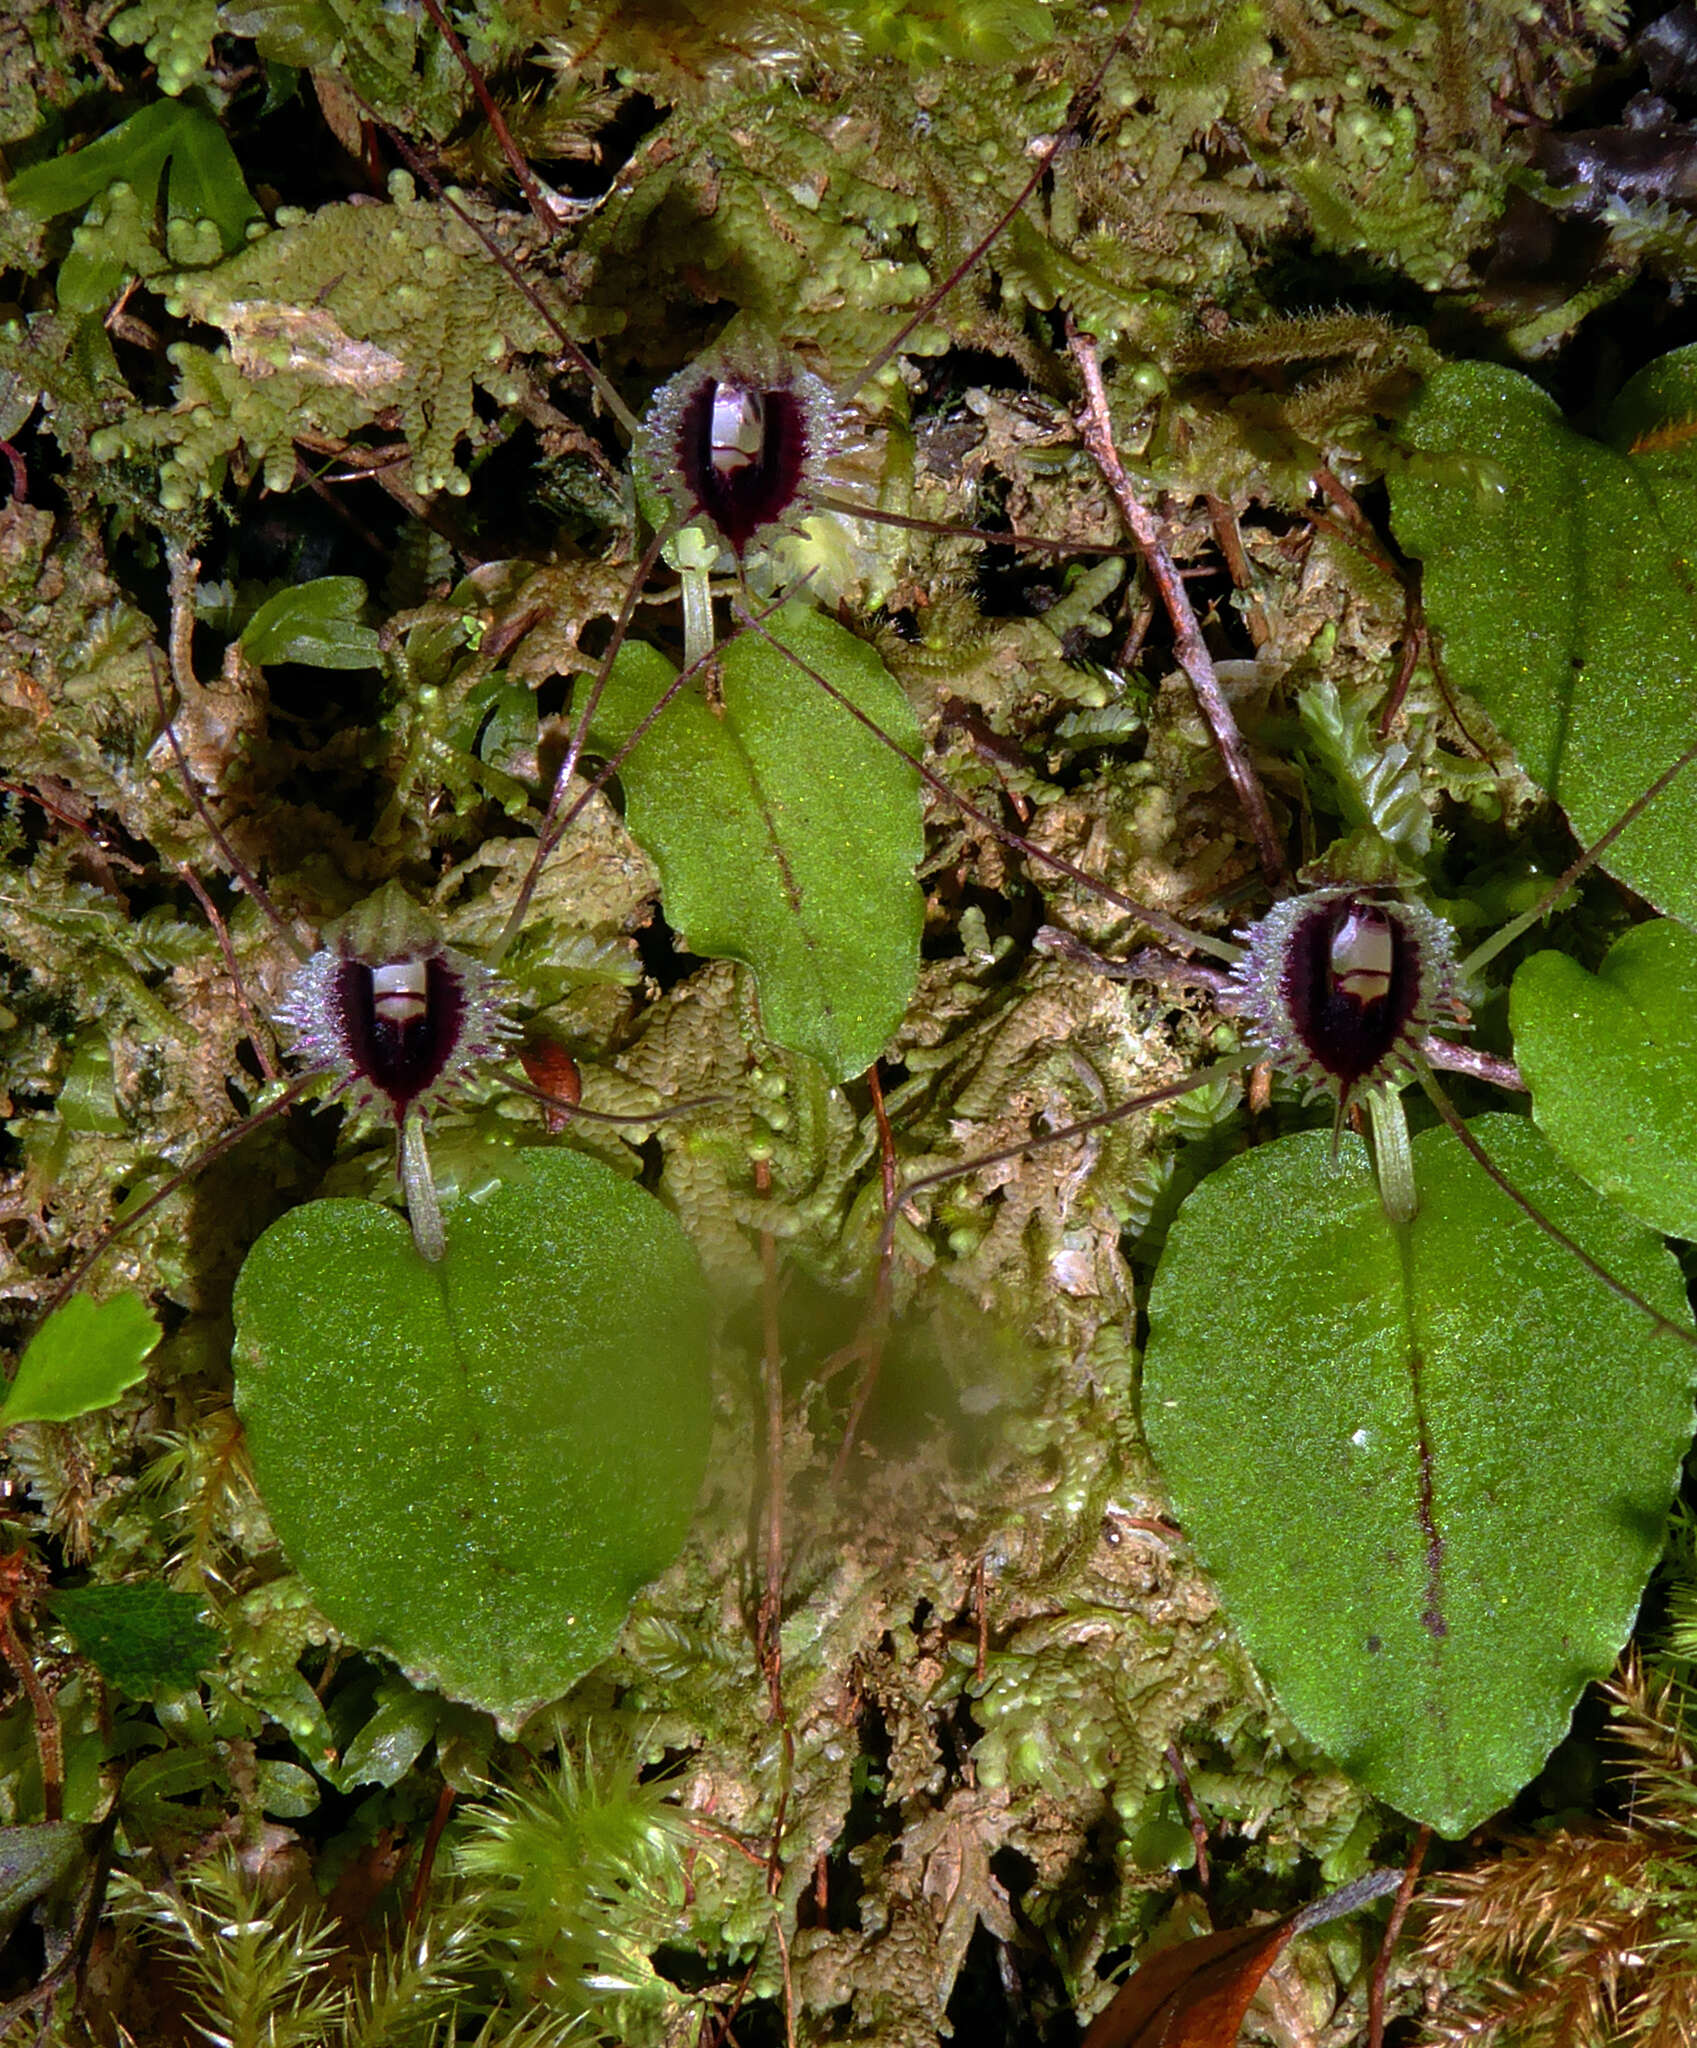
83	1357
1434	1482
786	835
519	1432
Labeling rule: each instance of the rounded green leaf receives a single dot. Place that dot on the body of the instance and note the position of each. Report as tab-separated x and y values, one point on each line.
475	1464
83	1357
1429	1468
1556	570
1611	1059
785	833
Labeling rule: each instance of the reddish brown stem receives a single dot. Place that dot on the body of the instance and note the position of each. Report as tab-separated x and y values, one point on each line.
540	209
768	1625
49	1741
1188	645
427	1855
1393	1932
1413	646
1230	538
1358	529
1193	1814
1040	170
258	1039
409	156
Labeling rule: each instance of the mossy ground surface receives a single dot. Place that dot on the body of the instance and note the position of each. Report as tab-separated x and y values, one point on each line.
961	1807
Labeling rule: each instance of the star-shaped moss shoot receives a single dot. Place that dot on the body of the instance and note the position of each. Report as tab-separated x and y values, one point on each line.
742	439
401	1020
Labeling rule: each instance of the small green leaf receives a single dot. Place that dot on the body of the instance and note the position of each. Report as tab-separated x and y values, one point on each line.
303	33
1430	1468
392	1741
475	1464
145	1640
1611	1059
82	1358
32	1861
88	1099
206	184
1556	570
316	624
786	835
286	1792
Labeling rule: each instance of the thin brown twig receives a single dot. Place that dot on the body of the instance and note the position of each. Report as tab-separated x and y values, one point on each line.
338	507
789	1983
1413	646
384	467
1230	537
1193	1813
544	215
1188	644
768	1637
221	931
601	384
427	1855
49	1739
1393	1931
1357	530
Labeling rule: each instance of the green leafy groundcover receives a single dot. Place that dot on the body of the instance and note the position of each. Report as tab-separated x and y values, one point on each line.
991	1649
475	1464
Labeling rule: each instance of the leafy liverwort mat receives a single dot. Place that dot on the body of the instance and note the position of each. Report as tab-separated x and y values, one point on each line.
658	595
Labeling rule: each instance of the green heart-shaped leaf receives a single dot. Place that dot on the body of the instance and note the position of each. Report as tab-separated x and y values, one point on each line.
1557	572
1611	1059
786	835
1429	1468
475	1464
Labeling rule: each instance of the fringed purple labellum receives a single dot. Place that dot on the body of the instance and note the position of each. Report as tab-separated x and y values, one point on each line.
742	440
401	1022
1340	986
400	1017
